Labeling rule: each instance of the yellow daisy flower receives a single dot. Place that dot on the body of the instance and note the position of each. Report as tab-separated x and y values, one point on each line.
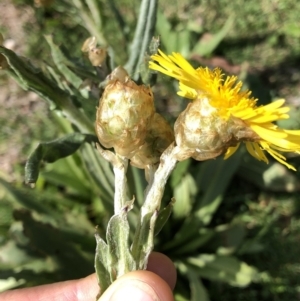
221	116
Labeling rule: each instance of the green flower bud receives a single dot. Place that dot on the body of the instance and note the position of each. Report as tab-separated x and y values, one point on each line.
123	116
159	136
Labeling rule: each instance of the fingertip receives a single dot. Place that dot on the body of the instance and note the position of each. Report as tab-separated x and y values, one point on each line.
163	266
139	286
86	288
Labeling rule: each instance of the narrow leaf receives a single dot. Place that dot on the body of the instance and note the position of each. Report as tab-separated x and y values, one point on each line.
163	216
61	63
210	178
184	193
207	47
118	244
198	291
52	151
33	79
102	264
224	268
49	240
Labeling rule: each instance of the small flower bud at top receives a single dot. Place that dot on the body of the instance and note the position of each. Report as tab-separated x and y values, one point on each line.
97	56
89	44
118	73
123	116
159	136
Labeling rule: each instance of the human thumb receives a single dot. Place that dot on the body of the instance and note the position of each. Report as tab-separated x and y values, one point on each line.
138	286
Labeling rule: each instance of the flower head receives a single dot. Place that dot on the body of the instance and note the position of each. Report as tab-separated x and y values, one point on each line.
123	116
158	137
221	116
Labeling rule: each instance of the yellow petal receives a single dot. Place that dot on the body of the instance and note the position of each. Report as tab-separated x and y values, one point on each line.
274	105
230	151
282	161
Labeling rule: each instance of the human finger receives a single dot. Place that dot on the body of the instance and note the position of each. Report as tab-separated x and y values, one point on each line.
86	289
163	266
139	286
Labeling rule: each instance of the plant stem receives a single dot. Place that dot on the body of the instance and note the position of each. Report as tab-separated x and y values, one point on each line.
120	170
120	165
143	240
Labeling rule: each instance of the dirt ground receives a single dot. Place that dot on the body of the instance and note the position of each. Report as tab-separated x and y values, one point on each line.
18	108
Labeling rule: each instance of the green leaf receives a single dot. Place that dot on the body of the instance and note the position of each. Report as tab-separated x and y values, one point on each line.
12	255
100	175
213	177
6	213
10	283
223	268
198	291
51	241
24	198
204	47
136	183
142	249
228	238
184	193
164	29
102	264
52	151
179	171
163	216
118	244
274	176
72	81
183	40
174	38
190	236
61	63
33	79
70	173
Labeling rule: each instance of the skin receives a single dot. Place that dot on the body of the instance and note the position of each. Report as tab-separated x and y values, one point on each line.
155	284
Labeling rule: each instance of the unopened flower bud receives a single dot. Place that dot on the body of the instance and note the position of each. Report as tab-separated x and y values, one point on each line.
97	56
201	133
119	74
159	136
88	44
123	116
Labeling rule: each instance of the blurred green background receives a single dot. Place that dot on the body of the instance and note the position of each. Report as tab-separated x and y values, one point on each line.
235	228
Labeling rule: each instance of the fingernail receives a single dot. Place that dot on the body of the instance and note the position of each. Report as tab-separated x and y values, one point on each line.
135	290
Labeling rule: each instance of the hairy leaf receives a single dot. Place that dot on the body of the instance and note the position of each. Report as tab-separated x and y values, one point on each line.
52	151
